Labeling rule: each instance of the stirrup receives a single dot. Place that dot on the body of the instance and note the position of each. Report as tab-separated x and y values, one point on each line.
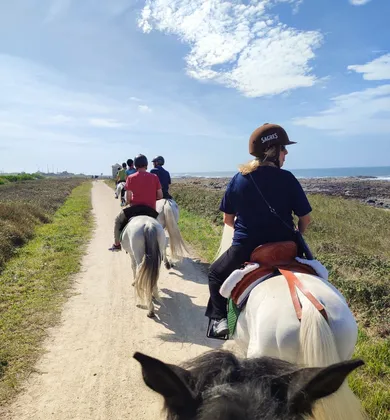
209	333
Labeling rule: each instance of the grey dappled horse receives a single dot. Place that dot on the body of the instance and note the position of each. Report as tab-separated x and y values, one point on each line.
219	386
143	239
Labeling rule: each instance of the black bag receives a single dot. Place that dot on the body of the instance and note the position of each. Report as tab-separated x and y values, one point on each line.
303	248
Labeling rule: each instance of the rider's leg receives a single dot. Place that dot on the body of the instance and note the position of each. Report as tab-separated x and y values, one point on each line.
220	270
120	223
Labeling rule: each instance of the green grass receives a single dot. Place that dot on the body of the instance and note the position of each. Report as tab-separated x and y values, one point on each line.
24	205
372	382
34	285
110	182
201	234
352	241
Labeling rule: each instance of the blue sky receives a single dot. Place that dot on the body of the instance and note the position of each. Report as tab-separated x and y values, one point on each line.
88	83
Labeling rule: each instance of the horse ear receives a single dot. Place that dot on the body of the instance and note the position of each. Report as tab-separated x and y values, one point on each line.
170	381
310	384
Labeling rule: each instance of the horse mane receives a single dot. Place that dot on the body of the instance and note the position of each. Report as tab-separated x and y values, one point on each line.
219	386
236	387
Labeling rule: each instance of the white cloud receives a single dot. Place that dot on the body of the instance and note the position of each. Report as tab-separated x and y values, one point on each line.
58	119
135	99
359	2
378	69
238	45
105	123
356	113
39	104
144	109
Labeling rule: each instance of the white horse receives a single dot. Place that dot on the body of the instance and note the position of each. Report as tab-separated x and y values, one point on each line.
143	239
118	192
168	216
268	326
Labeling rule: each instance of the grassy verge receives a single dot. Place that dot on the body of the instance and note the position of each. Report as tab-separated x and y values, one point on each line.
352	241
201	234
35	283
110	182
24	205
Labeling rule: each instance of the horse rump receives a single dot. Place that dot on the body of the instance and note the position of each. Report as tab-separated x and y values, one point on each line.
149	269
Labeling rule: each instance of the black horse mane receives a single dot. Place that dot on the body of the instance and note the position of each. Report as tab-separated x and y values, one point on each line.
238	383
219	386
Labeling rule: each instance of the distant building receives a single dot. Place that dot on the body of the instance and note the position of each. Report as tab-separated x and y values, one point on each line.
115	169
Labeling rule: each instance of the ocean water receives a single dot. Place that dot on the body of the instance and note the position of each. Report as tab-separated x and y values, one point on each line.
382	173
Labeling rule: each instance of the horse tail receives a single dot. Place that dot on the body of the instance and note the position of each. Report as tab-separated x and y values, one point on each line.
226	241
149	269
318	349
176	242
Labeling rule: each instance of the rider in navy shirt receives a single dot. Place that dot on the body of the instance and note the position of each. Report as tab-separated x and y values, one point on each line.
163	175
254	223
246	211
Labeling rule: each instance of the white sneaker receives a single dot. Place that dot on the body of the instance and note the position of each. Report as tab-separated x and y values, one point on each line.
220	327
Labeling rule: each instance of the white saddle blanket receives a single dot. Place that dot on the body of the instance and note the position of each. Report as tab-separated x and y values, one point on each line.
237	275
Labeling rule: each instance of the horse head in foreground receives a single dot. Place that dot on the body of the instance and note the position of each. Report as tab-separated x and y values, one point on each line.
218	386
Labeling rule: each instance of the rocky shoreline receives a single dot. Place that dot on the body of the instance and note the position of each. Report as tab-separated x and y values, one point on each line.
373	192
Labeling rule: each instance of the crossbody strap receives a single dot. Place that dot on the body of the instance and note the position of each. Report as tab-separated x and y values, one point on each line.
299	237
271	209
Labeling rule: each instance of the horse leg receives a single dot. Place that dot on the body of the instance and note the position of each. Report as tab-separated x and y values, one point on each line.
133	267
167	264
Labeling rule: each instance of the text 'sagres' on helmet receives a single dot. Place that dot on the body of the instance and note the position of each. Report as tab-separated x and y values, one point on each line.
266	136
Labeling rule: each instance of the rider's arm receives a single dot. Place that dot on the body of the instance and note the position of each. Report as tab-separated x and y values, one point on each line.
129	196
300	204
159	194
303	223
228	219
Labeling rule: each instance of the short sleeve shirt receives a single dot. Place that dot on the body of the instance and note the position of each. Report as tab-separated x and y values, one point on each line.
122	174
255	224
130	171
164	177
144	187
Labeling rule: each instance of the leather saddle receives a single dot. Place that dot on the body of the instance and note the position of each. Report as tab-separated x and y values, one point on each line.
274	259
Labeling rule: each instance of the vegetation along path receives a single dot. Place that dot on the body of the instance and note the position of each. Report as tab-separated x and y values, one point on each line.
87	371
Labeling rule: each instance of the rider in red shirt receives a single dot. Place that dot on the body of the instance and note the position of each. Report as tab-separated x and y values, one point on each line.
143	190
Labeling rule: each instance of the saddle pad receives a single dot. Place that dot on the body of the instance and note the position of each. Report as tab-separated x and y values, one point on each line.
232	318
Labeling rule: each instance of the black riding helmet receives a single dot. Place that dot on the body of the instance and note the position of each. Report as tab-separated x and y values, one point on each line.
140	161
159	160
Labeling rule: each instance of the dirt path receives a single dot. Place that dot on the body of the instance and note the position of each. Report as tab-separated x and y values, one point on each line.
87	371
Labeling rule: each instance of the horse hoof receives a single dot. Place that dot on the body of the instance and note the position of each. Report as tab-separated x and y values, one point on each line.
133	284
167	265
151	314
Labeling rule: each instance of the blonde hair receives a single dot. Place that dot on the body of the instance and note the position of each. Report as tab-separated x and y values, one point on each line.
266	159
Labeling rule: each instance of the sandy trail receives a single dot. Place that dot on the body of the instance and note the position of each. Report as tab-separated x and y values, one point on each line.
87	371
